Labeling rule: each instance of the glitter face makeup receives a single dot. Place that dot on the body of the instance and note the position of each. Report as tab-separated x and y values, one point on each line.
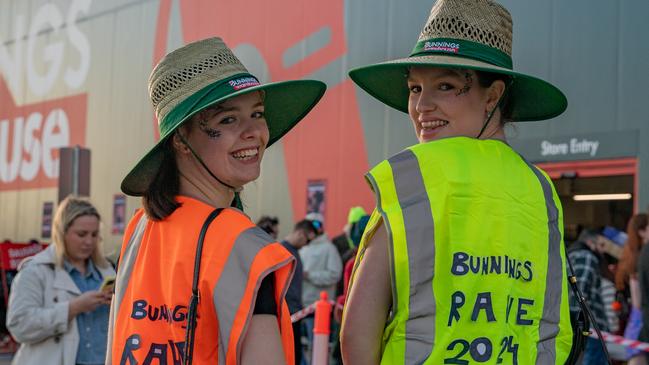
467	85
210	132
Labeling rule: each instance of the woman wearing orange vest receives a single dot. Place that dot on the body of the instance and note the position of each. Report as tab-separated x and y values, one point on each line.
198	282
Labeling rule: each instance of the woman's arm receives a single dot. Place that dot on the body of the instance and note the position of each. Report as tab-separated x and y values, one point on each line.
368	304
28	320
262	344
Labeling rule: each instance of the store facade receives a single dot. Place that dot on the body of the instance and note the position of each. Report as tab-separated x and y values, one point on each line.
74	73
597	176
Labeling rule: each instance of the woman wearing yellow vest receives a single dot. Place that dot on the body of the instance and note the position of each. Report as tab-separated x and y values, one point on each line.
462	261
198	282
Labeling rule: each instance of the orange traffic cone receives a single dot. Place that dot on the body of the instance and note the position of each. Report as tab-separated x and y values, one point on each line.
321	331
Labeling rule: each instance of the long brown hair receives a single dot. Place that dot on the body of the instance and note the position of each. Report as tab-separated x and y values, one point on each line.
159	201
627	266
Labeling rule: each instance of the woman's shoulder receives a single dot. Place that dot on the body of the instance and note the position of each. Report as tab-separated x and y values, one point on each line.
133	222
233	224
107	269
43	259
237	220
34	271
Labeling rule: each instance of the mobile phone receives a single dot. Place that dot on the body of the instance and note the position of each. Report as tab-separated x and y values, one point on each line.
108	284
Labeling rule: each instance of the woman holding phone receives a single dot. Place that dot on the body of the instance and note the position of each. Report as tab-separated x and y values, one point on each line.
57	311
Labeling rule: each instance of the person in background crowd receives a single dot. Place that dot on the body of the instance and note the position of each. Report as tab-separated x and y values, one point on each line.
322	269
585	256
609	247
192	248
343	241
607	265
270	225
643	281
303	233
355	233
57	310
460	197
626	280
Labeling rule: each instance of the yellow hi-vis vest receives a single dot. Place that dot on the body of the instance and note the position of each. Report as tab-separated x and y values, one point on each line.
477	258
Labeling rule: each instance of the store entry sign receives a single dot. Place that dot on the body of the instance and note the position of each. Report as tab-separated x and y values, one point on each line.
575	146
578	147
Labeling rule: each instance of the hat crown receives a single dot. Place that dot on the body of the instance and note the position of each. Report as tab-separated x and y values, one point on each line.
189	69
480	21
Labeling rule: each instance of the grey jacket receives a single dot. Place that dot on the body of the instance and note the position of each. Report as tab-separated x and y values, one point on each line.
37	316
323	267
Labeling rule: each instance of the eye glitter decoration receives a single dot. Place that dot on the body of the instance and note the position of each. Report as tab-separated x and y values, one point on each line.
211	132
467	85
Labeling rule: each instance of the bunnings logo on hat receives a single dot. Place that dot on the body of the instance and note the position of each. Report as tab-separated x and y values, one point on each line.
442	46
243	82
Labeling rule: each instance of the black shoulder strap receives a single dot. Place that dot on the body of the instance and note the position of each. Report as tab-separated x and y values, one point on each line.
581	326
195	298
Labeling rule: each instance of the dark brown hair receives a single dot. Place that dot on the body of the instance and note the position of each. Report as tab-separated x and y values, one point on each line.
268	224
485	79
628	261
159	200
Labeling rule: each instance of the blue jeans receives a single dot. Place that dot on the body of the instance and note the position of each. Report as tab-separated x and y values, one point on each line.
307	327
593	353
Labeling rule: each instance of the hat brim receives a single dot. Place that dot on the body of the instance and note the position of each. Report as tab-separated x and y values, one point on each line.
285	104
532	98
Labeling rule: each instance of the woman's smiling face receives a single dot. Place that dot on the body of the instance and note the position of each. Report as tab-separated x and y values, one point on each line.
446	102
231	138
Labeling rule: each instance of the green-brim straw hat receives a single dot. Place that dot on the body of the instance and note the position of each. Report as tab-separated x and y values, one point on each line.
205	73
470	34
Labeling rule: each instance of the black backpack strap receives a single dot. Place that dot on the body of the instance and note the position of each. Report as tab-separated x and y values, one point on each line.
580	322
195	298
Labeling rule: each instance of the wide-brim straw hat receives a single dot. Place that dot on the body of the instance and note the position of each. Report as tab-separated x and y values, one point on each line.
206	73
465	34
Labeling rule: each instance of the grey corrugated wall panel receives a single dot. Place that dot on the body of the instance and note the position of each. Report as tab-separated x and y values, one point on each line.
598	57
379	31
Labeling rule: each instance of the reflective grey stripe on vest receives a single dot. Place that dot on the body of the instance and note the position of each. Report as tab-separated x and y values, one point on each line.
361	253
420	236
126	263
549	325
230	288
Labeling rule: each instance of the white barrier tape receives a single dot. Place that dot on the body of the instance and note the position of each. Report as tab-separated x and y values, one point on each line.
309	310
302	313
608	337
622	341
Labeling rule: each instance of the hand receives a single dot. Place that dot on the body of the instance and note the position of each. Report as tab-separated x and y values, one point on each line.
88	302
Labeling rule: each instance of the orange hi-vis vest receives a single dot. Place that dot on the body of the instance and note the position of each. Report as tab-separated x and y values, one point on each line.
154	281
